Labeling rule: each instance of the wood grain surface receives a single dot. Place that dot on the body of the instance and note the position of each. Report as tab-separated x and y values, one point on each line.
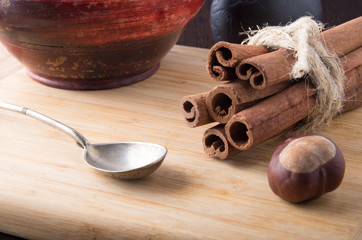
47	192
357	235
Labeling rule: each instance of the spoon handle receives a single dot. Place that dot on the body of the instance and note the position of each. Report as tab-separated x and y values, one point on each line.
82	141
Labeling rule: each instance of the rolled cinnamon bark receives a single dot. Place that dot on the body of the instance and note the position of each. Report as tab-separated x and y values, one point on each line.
351	60
274	67
194	110
220	73
344	38
227	99
215	140
353	98
270	68
230	54
215	143
270	117
353	78
278	113
224	56
244	71
353	95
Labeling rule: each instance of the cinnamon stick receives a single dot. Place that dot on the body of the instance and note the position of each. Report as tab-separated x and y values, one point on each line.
353	78
278	113
270	68
230	54
344	38
224	56
270	117
244	71
274	67
352	59
194	110
227	99
353	98
220	73
215	143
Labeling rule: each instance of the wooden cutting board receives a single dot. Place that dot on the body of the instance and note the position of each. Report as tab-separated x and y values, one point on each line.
47	192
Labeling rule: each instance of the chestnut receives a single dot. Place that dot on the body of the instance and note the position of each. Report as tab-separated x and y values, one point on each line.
305	167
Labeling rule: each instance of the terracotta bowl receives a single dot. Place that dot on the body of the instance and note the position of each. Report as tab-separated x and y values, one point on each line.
87	44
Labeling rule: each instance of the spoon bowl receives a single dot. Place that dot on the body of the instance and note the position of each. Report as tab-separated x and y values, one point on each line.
124	160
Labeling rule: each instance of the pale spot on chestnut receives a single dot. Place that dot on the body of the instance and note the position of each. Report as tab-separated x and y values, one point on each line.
305	167
306	154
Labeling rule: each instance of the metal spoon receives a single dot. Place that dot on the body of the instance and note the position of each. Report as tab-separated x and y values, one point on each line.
124	160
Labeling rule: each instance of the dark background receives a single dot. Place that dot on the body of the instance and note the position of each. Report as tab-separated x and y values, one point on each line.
334	12
198	32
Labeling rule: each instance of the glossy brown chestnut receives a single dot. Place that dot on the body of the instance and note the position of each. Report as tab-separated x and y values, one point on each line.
305	167
88	44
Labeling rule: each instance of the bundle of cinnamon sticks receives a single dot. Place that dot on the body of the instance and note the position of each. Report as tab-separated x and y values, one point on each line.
257	99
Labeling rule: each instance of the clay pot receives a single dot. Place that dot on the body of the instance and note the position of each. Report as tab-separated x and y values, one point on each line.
229	18
86	44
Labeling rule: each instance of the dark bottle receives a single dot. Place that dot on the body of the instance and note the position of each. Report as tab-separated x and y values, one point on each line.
229	18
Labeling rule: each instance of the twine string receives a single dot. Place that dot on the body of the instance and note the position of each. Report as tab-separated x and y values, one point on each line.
312	59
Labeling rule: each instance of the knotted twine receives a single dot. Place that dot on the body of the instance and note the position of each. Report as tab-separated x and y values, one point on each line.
312	59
